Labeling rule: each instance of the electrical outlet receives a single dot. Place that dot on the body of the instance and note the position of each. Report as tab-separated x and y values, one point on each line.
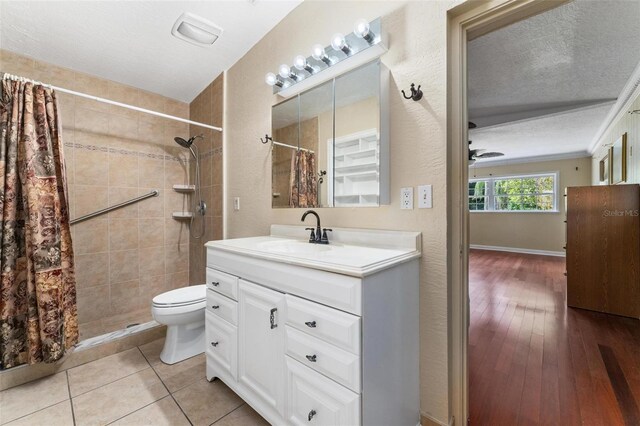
425	197
406	198
236	204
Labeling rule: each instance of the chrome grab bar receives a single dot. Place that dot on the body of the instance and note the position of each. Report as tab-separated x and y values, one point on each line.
153	193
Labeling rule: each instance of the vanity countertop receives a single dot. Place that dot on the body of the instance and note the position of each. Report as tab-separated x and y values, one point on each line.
354	252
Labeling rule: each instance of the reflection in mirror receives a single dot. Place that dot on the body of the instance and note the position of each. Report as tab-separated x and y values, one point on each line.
354	176
316	127
285	130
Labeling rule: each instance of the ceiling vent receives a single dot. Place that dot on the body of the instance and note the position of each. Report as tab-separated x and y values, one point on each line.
196	30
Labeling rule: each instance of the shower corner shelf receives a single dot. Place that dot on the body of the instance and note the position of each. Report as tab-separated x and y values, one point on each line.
184	188
182	215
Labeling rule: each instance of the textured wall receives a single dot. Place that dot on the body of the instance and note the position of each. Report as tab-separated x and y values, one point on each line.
417	53
128	256
536	231
207	108
629	123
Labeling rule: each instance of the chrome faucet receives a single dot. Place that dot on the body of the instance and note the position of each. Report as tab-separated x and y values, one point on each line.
319	234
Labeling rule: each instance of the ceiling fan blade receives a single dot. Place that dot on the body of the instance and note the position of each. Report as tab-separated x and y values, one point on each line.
490	155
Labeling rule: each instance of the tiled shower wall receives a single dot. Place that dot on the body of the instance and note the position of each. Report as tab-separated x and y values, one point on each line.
126	257
207	108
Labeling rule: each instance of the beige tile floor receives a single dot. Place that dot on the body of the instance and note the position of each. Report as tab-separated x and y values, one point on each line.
128	388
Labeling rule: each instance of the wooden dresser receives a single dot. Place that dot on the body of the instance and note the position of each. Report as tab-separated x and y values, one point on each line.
603	249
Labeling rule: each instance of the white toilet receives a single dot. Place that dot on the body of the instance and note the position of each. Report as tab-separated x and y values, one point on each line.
182	311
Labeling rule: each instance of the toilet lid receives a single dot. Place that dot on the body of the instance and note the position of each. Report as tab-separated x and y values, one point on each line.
182	296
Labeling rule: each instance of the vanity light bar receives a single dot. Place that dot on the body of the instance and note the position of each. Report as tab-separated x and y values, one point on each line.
343	54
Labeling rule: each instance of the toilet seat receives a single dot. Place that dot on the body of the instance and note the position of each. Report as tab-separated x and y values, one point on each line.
191	296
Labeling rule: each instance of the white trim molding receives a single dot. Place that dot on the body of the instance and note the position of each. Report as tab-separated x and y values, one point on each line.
629	93
518	250
537	159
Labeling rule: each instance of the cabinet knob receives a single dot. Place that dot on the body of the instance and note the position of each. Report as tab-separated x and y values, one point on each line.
311	414
311	358
215	283
215	306
214	344
311	324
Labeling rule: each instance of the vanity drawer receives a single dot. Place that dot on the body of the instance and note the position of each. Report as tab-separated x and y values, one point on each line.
222	306
314	399
331	325
222	343
335	363
222	283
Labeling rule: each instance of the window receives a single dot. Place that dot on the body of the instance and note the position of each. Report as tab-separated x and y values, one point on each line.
514	193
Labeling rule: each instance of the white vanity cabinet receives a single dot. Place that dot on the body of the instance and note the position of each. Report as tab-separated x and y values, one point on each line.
317	335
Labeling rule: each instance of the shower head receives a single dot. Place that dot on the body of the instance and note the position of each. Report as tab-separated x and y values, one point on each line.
187	143
184	143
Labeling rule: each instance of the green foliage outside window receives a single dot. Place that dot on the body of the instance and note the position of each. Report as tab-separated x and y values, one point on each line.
535	193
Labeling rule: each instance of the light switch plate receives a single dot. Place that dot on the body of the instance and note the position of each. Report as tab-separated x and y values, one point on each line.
406	198
425	197
236	203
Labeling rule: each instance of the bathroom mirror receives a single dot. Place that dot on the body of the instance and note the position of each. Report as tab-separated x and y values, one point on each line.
331	143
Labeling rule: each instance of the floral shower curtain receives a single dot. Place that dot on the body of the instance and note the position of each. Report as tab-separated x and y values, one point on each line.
304	182
38	313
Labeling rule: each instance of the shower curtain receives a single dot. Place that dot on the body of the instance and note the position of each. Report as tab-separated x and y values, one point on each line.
304	183
38	313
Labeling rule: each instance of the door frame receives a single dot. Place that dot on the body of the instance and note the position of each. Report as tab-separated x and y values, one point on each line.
465	22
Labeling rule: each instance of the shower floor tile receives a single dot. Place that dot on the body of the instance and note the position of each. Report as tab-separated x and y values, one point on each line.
132	387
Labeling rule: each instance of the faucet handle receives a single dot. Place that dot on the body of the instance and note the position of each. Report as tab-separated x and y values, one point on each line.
312	237
325	239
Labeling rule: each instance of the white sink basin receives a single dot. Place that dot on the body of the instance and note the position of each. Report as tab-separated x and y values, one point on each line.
292	247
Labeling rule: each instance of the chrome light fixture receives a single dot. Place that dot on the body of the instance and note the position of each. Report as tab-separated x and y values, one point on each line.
366	43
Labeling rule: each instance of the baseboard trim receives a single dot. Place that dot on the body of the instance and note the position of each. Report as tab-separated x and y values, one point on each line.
426	420
519	250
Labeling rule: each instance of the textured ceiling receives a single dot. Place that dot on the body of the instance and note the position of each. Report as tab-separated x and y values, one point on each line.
525	79
130	41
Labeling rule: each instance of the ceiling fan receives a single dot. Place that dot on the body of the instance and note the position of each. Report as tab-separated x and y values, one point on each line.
479	154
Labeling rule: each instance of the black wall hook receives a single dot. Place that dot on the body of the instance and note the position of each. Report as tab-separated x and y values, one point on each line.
416	94
266	139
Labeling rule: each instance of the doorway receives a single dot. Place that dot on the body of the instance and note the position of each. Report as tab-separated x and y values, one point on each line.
468	23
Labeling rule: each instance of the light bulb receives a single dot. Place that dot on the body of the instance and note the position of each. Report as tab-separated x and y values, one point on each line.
270	79
300	62
318	52
338	41
361	28
284	71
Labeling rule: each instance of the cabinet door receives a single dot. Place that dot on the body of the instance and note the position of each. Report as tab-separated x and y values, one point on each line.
261	343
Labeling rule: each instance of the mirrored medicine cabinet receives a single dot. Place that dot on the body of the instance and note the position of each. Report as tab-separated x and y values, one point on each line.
331	143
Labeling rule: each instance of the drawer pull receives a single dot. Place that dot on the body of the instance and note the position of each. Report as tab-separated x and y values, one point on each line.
214	344
311	414
310	324
215	306
311	358
215	283
272	318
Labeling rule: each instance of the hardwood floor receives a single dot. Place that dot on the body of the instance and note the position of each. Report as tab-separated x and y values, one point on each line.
532	360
